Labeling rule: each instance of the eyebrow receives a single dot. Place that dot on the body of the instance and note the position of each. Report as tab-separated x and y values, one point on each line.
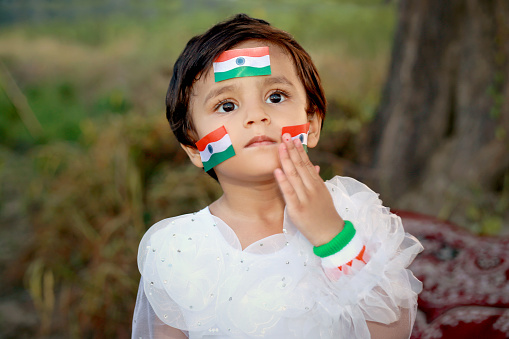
268	81
218	91
278	80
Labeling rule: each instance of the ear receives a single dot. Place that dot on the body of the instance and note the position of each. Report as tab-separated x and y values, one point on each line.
193	154
315	125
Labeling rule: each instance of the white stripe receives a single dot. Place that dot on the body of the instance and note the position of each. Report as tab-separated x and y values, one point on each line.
305	140
347	254
249	61
217	146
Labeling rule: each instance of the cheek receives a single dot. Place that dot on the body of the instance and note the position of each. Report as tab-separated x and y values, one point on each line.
295	115
206	126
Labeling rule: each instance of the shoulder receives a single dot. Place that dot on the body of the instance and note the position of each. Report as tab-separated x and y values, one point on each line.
175	223
166	224
170	232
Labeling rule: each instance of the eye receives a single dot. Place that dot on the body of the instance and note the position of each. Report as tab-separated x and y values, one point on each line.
276	98
226	107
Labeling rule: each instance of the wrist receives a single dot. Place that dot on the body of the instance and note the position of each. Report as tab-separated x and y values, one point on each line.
327	235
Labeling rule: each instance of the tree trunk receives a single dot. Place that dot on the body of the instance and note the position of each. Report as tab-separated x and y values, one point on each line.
439	143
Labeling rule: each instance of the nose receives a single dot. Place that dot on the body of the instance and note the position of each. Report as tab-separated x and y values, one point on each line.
256	114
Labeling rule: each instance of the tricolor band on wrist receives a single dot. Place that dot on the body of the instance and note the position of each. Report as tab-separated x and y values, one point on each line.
343	249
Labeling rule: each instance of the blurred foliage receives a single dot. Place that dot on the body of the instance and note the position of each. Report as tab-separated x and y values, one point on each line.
105	166
486	212
91	67
89	210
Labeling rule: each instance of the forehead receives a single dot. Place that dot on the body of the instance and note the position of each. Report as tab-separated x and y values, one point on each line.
280	61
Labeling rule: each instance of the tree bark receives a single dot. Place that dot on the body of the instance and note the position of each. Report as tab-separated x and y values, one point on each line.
439	142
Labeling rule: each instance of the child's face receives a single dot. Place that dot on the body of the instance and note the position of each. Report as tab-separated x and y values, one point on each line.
253	110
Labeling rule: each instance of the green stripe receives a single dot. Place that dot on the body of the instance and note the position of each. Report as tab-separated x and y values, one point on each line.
218	158
243	71
305	147
337	243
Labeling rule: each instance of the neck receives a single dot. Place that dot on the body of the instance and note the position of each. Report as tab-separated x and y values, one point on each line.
253	200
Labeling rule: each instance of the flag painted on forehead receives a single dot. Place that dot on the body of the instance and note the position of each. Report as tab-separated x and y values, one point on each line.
298	131
245	62
215	148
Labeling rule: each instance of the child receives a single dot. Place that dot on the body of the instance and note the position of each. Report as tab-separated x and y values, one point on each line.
281	254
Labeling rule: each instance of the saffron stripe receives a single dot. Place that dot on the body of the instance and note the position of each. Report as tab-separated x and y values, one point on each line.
241	72
213	136
251	52
297	129
218	158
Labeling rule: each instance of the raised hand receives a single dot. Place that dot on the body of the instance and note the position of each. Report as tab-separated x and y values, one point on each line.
308	201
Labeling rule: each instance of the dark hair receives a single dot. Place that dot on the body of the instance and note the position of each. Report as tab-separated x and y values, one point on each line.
202	50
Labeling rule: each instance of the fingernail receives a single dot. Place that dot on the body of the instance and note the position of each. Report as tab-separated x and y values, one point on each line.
286	136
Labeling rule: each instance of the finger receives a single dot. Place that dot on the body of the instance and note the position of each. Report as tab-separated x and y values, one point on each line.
305	158
292	174
297	161
317	168
286	188
303	164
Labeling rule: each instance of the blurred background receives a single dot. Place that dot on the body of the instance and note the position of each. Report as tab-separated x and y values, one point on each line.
88	162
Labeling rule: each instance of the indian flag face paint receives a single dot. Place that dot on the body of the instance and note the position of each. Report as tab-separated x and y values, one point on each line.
298	131
244	62
215	148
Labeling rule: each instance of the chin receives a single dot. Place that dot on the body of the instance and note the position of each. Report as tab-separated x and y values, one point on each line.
255	169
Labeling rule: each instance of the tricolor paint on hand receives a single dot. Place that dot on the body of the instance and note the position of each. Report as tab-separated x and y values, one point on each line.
215	148
298	131
245	62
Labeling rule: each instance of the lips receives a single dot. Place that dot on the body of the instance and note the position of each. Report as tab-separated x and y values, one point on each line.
260	140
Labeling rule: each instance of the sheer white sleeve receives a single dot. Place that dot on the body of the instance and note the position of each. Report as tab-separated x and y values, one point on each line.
146	324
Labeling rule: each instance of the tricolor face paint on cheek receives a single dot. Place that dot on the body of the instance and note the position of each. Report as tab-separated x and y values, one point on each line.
245	62
215	148
298	131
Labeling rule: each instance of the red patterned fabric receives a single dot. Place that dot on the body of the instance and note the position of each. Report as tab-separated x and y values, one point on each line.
465	278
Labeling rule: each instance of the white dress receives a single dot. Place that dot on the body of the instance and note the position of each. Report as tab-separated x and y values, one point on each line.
197	278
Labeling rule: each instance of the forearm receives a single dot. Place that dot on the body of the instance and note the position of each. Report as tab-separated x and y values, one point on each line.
399	329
